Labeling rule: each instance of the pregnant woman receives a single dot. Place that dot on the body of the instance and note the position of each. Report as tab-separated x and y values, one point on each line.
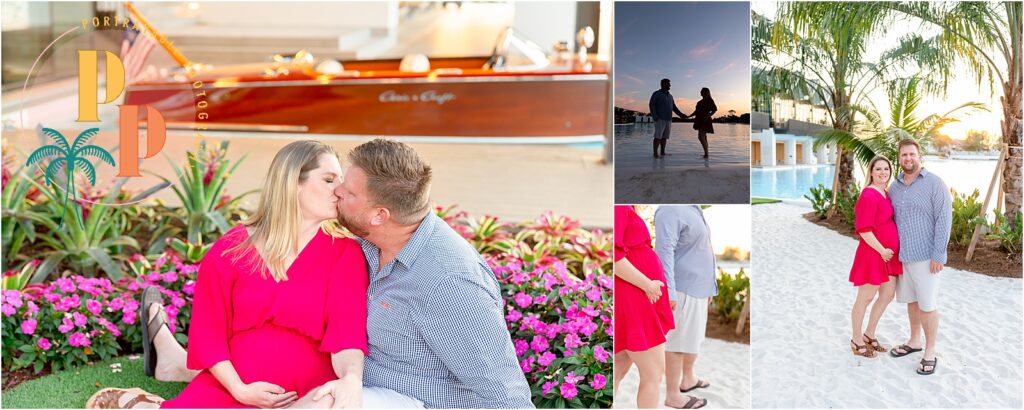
642	312
876	262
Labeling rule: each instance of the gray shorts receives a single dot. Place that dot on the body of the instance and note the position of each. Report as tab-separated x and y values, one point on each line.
662	128
918	284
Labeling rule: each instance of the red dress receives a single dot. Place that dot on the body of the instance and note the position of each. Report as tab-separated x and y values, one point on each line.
874	214
277	332
639	325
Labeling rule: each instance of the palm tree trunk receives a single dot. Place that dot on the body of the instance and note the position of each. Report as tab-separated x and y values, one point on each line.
1012	136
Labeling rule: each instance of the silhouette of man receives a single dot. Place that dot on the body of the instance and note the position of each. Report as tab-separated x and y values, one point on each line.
662	105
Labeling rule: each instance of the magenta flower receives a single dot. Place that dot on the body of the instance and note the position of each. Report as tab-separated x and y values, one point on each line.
32	308
513	315
115	305
154	276
110	326
539	344
134	286
189	287
546	359
170	276
568	390
78	340
65	285
177	301
600	354
43	343
80	319
548	386
51	297
540	299
527	364
599	381
28	327
128	318
8	309
521	347
594	295
94	306
605	281
573	341
523	300
66	326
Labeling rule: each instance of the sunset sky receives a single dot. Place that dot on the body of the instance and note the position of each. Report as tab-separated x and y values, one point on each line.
693	44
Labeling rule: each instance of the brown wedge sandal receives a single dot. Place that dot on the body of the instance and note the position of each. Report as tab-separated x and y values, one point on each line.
861	350
113	398
875	345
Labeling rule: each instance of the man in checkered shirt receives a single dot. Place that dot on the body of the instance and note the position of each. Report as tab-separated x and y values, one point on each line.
924	216
435	315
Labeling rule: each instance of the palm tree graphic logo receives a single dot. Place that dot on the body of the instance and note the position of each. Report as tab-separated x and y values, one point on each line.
72	158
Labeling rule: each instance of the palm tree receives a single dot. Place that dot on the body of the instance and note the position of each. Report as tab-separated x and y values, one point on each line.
877	138
72	158
986	37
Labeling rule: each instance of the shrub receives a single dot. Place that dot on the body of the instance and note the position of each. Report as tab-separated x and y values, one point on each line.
847	203
966	215
821	200
1008	234
732	294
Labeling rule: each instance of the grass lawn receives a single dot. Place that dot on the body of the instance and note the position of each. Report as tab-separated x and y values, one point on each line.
71	388
756	201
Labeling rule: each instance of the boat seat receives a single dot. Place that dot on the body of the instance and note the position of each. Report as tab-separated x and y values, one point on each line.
415	63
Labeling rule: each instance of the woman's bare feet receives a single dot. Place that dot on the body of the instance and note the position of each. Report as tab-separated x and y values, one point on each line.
170	356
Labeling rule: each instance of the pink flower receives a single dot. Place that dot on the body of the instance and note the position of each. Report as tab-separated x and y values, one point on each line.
599	381
539	344
527	364
540	299
78	340
189	287
12	297
177	301
170	276
513	315
51	297
153	276
568	390
605	281
573	341
600	354
134	286
65	285
68	303
588	328
28	327
94	306
518	278
546	358
8	309
571	377
523	300
43	343
80	319
548	386
553	330
521	347
594	294
32	308
128	318
110	326
115	305
66	326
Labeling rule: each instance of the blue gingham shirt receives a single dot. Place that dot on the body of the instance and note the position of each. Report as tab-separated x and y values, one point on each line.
436	326
683	245
924	217
662	105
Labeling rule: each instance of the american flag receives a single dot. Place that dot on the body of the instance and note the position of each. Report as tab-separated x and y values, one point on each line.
134	49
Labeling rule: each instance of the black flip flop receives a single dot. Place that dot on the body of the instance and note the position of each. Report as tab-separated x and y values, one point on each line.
150	295
700	385
906	350
691	404
930	363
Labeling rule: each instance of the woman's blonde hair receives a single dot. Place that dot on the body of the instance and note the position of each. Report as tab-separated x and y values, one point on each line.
275	223
871	166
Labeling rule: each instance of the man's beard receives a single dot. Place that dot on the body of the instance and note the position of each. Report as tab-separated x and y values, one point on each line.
913	168
356	229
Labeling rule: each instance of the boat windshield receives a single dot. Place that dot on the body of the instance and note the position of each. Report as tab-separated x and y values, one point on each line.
513	52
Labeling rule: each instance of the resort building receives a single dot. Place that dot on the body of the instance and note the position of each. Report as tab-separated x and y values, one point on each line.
782	132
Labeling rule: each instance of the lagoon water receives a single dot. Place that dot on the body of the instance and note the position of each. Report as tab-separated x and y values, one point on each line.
729	145
793	182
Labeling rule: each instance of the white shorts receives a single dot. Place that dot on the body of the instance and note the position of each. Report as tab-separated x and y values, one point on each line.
662	128
918	284
691	315
381	398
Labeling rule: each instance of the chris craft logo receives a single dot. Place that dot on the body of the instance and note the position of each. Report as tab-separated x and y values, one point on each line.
71	157
392	96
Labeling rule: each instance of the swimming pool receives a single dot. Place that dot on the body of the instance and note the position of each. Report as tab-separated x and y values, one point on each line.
788	182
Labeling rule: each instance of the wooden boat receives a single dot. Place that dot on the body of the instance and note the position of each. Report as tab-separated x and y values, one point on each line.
565	99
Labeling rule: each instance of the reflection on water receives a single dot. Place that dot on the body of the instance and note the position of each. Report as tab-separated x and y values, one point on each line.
729	145
793	182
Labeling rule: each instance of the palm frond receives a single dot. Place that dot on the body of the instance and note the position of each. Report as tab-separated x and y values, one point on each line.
43	152
87	168
95	151
84	138
57	138
54	168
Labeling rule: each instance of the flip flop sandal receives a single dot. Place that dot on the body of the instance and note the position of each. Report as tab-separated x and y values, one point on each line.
875	345
700	385
861	350
928	363
906	350
150	328
110	398
692	403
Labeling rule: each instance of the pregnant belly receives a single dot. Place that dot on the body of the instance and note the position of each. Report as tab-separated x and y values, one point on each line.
888	236
280	356
647	262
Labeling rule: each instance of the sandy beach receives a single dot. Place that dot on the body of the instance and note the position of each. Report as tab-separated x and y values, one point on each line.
683	185
725	365
800	330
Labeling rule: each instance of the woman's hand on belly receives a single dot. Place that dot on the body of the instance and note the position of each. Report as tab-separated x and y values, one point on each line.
264	395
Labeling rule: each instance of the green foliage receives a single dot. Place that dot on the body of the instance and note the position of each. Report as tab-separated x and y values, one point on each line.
821	200
1008	234
732	294
846	202
966	215
18	226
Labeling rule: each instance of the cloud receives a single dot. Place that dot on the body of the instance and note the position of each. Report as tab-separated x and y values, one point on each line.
724	69
631	79
705	51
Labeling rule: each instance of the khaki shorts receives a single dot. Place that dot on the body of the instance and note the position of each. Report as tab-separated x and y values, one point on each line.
691	315
918	284
662	129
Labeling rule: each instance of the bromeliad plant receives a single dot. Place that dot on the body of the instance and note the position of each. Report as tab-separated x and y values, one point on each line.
18	197
200	187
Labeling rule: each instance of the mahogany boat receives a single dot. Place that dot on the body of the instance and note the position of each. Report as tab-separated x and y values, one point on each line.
518	92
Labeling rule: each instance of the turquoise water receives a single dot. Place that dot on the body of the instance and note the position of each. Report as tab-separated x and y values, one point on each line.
793	182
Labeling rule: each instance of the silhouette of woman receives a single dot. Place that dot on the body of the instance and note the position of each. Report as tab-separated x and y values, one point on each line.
702	118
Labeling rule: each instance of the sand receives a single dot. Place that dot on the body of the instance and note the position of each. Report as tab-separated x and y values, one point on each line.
800	330
714	184
725	365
